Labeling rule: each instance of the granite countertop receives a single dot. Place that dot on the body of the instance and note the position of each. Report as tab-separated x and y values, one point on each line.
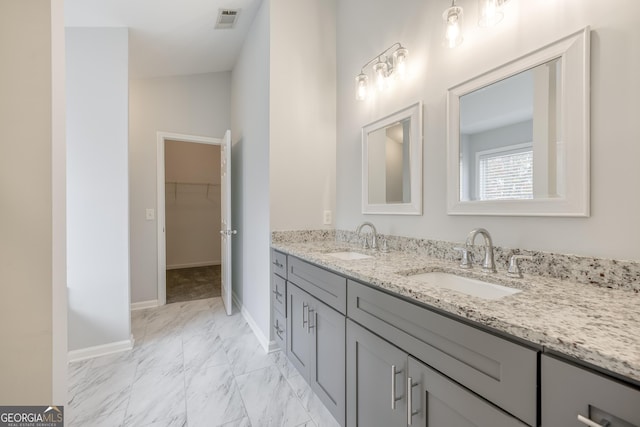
596	325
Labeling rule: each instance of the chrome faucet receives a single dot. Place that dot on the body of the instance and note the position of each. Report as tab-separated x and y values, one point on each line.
488	264
374	236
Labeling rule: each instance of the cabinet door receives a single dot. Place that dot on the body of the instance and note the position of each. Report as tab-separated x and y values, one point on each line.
279	293
569	392
437	401
327	373
297	328
375	390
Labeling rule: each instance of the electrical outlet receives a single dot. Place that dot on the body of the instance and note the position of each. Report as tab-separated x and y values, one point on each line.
150	215
327	218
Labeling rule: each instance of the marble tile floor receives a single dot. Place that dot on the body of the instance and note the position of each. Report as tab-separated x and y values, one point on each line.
191	366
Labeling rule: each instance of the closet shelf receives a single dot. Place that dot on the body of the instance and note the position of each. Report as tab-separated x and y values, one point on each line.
177	184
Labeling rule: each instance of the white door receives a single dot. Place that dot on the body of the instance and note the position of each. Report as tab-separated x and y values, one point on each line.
227	231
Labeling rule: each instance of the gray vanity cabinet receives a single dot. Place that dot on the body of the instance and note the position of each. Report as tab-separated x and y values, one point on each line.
502	372
279	297
316	347
298	350
435	400
376	375
576	397
327	369
378	390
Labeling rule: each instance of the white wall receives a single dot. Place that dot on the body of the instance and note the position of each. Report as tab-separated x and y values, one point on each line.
32	223
97	186
192	203
59	203
192	105
250	172
528	25
303	113
283	138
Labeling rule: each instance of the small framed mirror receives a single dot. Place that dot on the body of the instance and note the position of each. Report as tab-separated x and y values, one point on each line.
518	136
392	164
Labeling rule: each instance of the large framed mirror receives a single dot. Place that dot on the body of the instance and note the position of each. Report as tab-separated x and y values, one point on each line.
392	163
518	135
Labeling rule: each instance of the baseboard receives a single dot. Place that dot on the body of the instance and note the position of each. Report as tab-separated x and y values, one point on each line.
100	350
274	346
144	304
193	264
264	341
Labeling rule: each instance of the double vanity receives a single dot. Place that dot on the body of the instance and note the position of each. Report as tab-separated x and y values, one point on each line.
395	338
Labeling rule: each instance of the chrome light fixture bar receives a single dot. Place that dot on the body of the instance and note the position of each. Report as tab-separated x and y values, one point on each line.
390	63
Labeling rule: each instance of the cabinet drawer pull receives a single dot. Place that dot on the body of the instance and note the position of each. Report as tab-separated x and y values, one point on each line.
279	331
588	422
394	399
277	264
315	319
277	294
410	411
305	307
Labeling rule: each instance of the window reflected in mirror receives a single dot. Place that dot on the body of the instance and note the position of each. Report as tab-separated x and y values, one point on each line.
510	137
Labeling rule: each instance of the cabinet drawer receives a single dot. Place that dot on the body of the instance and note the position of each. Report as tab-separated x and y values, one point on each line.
280	330
569	391
279	293
328	287
502	372
438	401
279	263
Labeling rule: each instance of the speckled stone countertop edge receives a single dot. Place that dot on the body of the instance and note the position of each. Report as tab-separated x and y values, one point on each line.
596	325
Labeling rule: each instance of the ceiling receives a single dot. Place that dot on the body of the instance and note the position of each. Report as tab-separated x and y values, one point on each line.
169	37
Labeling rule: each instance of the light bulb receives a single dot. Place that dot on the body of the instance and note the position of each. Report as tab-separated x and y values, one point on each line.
453	26
490	12
400	62
380	70
362	86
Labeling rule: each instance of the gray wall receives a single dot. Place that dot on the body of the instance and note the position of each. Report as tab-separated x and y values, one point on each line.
193	105
97	186
615	202
284	137
250	173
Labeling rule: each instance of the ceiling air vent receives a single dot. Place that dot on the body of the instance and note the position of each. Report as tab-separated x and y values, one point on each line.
226	18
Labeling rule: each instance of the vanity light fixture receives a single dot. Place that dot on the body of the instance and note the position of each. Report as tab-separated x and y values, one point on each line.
490	12
391	63
453	18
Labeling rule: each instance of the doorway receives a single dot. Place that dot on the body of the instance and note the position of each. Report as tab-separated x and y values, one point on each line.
192	220
193	199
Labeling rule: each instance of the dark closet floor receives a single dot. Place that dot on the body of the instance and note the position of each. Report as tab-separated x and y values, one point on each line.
188	284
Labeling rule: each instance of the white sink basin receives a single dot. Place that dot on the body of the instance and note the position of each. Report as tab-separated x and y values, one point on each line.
473	287
348	256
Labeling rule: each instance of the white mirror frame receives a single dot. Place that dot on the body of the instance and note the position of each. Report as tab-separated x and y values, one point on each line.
414	112
574	50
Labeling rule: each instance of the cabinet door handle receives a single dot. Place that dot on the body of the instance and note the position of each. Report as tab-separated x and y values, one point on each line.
279	331
305	306
394	398
315	319
410	411
588	422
